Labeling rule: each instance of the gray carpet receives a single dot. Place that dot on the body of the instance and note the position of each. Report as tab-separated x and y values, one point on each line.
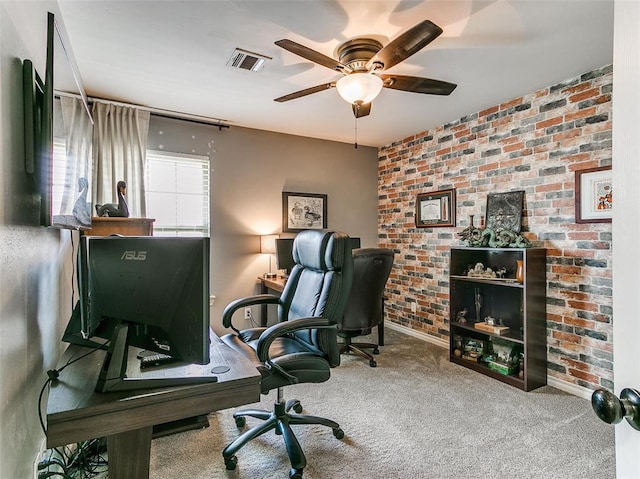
414	416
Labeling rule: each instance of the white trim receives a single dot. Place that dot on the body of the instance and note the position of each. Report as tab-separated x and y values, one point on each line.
569	388
443	343
574	389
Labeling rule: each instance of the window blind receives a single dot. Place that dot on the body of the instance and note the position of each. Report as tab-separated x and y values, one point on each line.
177	193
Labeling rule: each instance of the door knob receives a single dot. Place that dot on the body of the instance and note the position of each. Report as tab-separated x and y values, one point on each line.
611	410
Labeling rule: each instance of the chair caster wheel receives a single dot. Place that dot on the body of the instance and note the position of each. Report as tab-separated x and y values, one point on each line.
295	473
296	406
230	463
338	433
376	351
240	421
372	363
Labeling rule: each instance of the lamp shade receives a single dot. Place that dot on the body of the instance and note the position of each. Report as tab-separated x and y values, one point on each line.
359	88
268	244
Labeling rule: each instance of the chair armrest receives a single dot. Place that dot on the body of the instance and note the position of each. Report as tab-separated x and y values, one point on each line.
243	303
282	329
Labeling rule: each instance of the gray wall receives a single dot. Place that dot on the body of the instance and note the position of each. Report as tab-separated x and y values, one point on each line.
249	171
35	267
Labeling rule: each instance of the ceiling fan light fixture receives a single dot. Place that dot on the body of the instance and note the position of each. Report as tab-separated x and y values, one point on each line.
359	88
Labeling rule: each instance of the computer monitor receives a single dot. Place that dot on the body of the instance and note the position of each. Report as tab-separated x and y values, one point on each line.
147	292
284	252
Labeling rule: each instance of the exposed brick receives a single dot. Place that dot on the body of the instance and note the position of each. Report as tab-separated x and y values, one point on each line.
534	143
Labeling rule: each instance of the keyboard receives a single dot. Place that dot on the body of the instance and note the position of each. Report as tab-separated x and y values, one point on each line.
156	360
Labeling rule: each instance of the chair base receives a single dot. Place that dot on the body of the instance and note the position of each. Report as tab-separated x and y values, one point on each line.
279	420
356	348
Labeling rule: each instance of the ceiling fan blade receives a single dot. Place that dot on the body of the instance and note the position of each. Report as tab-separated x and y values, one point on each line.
418	84
406	44
309	54
361	110
305	92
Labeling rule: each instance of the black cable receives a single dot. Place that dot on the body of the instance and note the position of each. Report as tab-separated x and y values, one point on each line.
53	375
82	459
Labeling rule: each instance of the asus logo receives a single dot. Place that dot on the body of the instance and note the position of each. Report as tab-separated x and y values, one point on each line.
134	255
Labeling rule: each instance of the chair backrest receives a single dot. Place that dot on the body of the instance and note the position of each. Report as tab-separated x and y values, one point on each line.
371	269
318	286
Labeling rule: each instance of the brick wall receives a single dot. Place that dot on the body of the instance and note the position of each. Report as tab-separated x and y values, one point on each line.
533	143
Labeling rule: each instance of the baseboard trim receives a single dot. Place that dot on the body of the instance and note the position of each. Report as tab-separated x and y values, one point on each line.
570	388
443	343
574	389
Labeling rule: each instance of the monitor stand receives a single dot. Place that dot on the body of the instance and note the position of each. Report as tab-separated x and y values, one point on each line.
113	374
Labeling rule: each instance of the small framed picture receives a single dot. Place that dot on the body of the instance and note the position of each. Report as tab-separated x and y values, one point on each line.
303	211
594	195
436	209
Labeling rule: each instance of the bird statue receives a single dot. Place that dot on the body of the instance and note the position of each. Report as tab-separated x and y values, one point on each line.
121	209
81	208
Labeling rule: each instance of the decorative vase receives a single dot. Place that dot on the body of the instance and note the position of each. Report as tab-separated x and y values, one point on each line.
519	271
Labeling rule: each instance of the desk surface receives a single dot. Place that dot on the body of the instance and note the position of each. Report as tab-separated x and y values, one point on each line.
75	412
276	284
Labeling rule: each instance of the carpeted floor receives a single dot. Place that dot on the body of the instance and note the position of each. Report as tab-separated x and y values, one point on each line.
414	416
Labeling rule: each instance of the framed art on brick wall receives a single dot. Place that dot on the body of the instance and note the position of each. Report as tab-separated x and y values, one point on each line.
594	195
437	208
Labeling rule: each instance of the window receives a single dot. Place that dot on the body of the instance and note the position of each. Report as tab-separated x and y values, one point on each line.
177	193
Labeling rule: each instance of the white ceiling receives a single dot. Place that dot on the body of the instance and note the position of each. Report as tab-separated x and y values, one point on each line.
172	55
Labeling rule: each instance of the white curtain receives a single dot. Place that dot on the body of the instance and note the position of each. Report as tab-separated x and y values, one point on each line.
77	165
119	146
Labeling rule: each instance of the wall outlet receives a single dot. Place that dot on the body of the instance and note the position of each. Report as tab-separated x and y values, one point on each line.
414	307
247	313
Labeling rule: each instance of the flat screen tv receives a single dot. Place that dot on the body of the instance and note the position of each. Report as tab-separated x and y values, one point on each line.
148	292
58	143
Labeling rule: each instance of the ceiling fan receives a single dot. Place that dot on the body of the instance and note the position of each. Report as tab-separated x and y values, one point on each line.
361	62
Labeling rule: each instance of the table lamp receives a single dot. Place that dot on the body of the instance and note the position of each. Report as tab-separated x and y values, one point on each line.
268	246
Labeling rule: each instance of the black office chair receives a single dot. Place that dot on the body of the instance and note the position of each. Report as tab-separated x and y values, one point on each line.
303	346
364	311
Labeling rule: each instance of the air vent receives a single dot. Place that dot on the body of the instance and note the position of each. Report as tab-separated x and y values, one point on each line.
246	60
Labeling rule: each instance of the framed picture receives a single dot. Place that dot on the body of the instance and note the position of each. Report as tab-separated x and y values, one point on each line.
594	195
303	211
436	209
504	211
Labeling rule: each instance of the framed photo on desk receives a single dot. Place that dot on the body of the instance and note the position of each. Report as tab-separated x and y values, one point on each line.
303	211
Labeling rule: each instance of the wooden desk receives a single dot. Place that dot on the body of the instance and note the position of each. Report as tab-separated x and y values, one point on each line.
270	284
105	226
277	284
76	413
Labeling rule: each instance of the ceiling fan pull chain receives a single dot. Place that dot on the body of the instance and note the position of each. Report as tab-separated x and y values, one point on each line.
355	145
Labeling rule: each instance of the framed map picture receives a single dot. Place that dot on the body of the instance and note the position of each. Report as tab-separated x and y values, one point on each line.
303	211
436	209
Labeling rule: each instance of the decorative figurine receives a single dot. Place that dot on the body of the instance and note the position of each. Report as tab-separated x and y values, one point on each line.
461	317
477	300
121	209
479	271
81	208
